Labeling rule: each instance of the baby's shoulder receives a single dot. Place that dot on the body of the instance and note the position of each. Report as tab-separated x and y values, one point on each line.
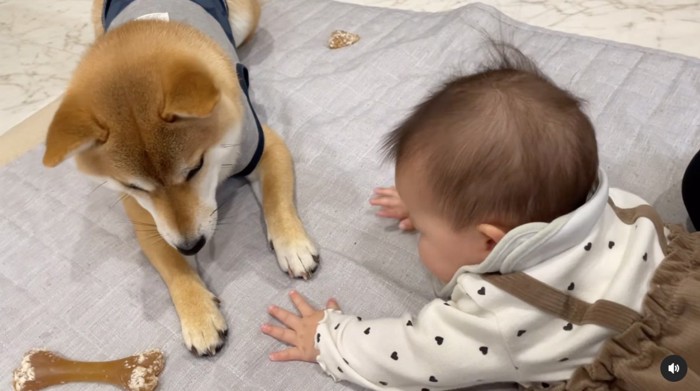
625	199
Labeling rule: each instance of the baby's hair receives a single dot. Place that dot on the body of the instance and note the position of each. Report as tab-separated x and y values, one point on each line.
503	146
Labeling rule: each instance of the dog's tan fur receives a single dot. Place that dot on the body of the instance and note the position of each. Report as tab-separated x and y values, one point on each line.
147	103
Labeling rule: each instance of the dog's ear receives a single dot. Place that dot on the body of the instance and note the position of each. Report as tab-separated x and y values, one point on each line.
188	90
73	129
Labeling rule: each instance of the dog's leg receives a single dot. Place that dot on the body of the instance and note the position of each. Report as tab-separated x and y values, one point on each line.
243	16
96	17
203	326
295	253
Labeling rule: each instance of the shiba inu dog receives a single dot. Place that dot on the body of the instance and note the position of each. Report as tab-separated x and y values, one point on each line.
158	109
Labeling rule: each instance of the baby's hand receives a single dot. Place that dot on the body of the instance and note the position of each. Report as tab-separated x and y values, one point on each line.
299	331
391	206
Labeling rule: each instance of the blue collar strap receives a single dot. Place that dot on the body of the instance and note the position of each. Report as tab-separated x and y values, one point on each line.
242	72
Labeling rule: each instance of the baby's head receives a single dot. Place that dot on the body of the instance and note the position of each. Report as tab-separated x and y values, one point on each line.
487	153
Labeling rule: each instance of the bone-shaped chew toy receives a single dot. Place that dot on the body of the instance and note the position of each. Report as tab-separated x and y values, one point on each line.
41	369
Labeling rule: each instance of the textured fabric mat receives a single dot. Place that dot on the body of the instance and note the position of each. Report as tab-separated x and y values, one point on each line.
72	277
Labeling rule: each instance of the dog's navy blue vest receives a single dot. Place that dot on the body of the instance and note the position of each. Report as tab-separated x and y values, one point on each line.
211	18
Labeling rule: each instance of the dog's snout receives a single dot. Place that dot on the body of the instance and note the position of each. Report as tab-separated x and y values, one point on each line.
191	247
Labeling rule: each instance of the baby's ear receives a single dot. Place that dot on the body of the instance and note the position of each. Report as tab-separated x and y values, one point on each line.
492	233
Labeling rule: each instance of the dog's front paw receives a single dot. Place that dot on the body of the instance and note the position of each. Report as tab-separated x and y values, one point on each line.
204	328
298	257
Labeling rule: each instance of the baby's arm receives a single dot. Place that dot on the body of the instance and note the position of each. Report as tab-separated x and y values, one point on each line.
391	206
448	345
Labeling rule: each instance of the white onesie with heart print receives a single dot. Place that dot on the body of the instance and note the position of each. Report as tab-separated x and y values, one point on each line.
481	334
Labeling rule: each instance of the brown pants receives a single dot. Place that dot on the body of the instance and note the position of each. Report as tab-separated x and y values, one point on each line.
669	323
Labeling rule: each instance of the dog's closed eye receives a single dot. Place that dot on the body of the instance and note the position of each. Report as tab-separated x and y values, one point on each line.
195	170
133	187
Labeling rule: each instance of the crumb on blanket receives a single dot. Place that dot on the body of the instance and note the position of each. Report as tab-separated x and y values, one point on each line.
340	39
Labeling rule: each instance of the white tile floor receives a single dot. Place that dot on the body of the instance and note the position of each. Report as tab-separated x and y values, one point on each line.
40	43
41	40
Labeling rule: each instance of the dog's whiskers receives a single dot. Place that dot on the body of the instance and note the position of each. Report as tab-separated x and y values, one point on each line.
229	145
151	230
217	208
219	205
97	187
144	226
121	198
156	239
140	223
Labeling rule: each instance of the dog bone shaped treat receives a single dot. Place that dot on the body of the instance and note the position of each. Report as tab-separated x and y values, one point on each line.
41	369
340	39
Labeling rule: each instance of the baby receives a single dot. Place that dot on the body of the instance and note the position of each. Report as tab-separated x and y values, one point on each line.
498	172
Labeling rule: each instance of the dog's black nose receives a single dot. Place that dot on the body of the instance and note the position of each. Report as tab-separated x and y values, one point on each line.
192	247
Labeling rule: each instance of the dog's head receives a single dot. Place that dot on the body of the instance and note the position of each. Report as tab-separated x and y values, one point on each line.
155	124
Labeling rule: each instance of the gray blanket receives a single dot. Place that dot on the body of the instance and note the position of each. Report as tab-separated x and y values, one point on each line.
72	277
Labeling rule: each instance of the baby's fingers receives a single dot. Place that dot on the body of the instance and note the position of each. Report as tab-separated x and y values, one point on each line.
287	318
385	201
391	213
289	354
406	225
281	334
385	191
304	308
332	304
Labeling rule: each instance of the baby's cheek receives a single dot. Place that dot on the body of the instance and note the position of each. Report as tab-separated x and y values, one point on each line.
423	253
431	258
